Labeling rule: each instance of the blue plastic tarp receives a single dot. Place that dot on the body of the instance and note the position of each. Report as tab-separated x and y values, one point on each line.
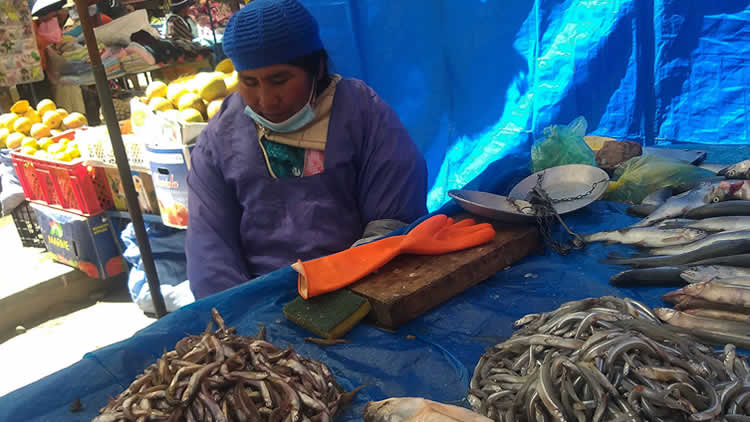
436	363
472	79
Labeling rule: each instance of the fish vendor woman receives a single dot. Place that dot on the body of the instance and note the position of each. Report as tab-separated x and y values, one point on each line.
300	163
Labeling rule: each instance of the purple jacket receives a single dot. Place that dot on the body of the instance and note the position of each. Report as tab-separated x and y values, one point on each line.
244	223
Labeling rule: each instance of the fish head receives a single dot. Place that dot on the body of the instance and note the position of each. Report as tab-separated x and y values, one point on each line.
694	234
664	314
720	192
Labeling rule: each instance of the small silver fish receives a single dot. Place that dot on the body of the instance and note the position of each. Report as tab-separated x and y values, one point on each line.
648	237
677	206
417	409
706	241
740	170
727	191
658	197
714	224
701	273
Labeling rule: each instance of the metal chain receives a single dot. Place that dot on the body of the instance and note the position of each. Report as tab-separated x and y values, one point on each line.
546	214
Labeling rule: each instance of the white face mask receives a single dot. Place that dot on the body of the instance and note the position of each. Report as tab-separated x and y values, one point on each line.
301	118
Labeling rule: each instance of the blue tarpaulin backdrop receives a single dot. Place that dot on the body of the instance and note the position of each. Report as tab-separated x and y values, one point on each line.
472	79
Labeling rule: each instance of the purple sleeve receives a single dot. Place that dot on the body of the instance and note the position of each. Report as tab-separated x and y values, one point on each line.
213	247
393	172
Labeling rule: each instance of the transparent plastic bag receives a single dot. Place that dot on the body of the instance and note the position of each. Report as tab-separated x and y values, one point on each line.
562	145
640	176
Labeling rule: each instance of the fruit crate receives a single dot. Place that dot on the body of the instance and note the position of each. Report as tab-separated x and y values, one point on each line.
71	186
96	149
28	227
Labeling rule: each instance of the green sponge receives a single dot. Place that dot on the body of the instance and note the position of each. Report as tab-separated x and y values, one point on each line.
329	316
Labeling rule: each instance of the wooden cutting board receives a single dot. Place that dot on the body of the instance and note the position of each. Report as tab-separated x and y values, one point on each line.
411	285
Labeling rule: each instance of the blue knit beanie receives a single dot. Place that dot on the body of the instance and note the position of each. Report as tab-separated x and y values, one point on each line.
269	32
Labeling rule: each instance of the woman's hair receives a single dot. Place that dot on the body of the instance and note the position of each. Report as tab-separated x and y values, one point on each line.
310	63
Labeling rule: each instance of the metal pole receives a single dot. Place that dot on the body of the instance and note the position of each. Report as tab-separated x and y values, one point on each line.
213	32
113	126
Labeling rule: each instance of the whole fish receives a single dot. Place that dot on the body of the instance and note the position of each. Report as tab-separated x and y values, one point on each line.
648	237
729	294
658	197
417	409
737	260
673	223
640	210
700	256
685	320
719	314
740	170
677	206
729	191
707	241
659	276
714	224
701	273
720	209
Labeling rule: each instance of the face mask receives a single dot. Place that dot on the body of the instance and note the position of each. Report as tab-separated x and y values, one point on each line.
50	31
294	123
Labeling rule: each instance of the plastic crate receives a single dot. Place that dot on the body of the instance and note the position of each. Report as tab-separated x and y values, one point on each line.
96	149
72	186
27	227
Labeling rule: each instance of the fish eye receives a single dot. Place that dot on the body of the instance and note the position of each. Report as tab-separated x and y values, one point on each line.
731	172
716	199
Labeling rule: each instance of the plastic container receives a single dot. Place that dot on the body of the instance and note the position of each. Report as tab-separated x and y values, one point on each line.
27	227
96	149
71	186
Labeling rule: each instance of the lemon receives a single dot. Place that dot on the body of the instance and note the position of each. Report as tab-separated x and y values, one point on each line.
73	152
4	132
60	156
225	66
39	130
22	125
14	140
156	89
32	115
75	120
55	148
63	113
44	106
64	141
43	155
30	142
28	150
44	143
52	119
20	107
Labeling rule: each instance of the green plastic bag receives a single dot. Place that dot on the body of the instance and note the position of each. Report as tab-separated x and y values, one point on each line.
562	145
639	176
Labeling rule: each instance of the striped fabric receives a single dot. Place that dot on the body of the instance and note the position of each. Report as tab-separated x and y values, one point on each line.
177	28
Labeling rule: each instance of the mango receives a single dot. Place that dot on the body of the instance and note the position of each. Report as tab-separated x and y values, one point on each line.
191	115
14	140
212	86
39	130
44	106
75	120
53	118
156	89
63	112
20	107
22	125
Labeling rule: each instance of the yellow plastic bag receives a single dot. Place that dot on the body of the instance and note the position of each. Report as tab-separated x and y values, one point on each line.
639	176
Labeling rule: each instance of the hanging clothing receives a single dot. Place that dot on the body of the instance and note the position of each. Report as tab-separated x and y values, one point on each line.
243	222
181	28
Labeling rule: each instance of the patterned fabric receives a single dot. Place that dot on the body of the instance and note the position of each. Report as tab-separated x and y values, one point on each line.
178	28
283	161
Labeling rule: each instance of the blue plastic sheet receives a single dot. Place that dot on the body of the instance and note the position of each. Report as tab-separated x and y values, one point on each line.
436	363
473	79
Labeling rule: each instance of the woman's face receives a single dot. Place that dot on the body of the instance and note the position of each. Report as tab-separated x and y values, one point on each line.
275	92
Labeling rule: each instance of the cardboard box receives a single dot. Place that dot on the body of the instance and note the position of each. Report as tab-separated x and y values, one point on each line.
162	127
169	169
144	187
86	243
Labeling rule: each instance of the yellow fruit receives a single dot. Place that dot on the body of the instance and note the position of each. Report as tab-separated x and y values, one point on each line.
73	152
231	83
30	142
20	107
55	148
32	115
213	107
175	91
63	112
44	143
212	86
61	156
55	132
4	132
53	118
64	142
156	89
14	140
44	106
28	150
225	66
160	104
75	120
7	120
138	117
193	101
39	130
191	115
23	125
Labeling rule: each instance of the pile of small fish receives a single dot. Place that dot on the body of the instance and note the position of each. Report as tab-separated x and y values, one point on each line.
220	376
608	359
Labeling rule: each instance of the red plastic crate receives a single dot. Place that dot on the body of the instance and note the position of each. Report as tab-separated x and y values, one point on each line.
70	186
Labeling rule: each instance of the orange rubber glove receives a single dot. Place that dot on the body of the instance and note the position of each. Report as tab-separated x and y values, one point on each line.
435	236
